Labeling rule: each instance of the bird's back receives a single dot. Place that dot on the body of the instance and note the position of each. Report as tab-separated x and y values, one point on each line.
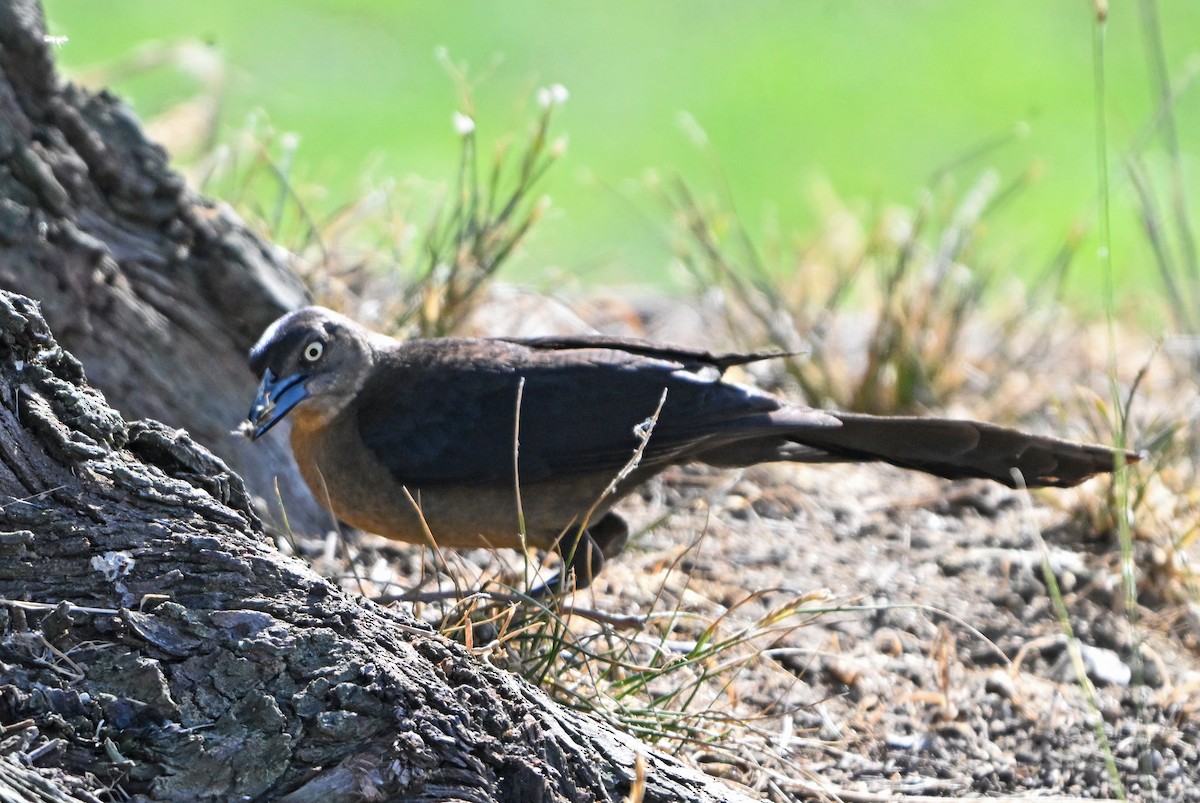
459	411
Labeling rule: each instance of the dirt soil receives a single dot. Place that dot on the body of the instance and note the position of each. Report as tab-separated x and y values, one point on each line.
950	671
937	664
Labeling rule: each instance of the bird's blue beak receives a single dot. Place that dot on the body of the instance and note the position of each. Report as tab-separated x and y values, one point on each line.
276	397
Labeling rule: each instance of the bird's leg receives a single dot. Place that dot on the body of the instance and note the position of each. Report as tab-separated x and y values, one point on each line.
604	539
610	534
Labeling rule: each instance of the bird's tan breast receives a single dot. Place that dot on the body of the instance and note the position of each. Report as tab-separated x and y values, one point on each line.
347	479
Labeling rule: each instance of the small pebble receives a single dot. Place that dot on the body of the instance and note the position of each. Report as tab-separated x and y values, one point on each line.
1001	683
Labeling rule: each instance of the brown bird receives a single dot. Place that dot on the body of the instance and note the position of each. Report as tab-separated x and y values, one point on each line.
470	442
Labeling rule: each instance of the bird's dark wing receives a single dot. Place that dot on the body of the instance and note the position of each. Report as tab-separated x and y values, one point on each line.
446	411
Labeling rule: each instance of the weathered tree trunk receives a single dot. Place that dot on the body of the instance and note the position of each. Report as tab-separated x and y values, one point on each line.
158	292
151	638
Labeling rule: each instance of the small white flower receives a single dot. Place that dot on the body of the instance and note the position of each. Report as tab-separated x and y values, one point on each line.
463	125
961	274
553	95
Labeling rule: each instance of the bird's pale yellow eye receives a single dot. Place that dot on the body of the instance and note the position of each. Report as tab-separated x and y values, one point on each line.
313	351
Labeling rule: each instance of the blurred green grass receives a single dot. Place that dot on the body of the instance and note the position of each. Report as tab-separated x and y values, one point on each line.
872	97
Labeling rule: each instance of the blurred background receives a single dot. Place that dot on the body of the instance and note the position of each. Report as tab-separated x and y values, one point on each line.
789	110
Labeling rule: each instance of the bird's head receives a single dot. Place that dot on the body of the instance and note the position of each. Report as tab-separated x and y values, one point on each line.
312	361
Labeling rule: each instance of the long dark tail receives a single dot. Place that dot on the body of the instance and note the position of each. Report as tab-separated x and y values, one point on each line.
949	448
959	449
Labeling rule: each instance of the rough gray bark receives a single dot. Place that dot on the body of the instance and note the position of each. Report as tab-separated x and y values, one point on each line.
152	641
158	292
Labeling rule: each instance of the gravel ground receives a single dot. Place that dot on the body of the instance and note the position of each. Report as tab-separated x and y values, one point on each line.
952	673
